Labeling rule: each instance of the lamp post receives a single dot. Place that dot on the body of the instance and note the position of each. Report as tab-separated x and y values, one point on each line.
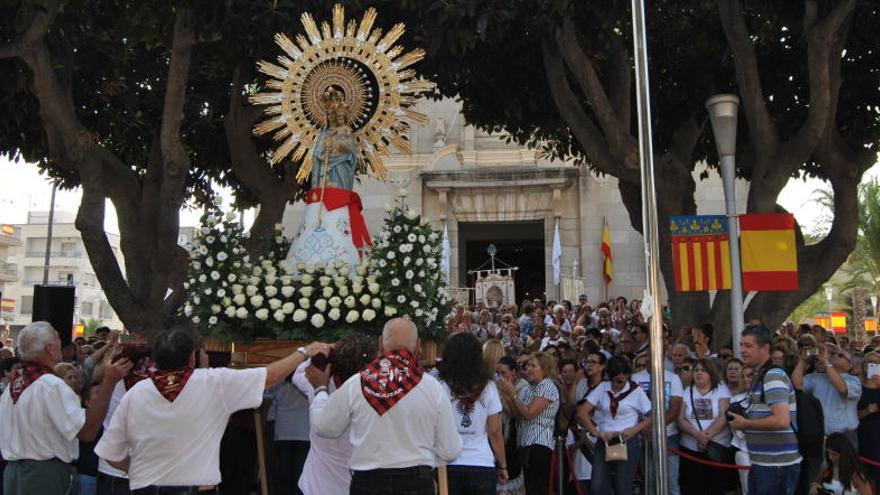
722	112
874	306
829	296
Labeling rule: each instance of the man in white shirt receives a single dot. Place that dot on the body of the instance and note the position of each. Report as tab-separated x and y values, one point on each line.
400	418
166	431
43	419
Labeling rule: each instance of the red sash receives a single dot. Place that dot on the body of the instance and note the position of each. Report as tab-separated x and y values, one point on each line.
389	378
25	376
170	383
337	198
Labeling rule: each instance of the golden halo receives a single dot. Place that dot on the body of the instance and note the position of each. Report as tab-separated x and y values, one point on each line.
364	65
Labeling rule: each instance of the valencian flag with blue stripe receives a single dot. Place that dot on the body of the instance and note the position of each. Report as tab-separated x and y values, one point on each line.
700	252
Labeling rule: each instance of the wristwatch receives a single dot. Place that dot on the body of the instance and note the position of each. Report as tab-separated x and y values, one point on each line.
304	351
322	388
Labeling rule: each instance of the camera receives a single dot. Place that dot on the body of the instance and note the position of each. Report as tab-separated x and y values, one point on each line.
812	352
735	408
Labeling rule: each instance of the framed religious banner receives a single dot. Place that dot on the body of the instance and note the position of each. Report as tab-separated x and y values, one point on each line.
495	289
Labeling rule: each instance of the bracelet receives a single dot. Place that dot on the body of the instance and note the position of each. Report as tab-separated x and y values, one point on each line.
503	467
322	388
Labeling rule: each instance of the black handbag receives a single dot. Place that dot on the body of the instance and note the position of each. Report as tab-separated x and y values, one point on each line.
714	450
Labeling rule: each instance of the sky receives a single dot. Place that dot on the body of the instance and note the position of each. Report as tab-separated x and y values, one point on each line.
23	189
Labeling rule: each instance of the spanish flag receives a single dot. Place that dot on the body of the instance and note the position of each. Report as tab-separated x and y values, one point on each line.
608	270
769	252
700	252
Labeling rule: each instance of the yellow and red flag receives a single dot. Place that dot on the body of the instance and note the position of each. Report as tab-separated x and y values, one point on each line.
7	305
608	265
769	252
700	252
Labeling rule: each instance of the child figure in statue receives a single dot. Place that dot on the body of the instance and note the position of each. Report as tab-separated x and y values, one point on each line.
333	228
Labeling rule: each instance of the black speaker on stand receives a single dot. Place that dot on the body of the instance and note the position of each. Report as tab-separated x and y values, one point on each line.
55	305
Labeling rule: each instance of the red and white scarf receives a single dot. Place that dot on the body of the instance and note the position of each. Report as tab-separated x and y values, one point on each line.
141	370
170	383
25	377
389	378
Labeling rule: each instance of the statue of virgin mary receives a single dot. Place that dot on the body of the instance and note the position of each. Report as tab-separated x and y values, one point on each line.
333	227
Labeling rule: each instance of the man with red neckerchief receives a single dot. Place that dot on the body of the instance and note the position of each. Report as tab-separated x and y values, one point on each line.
43	419
166	431
400	418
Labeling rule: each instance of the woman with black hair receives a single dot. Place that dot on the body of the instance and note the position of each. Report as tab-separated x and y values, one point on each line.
476	410
611	414
844	473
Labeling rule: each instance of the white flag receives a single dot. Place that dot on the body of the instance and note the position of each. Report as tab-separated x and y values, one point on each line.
447	253
557	255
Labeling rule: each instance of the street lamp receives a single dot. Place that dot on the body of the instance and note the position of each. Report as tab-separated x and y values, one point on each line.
722	112
829	296
874	306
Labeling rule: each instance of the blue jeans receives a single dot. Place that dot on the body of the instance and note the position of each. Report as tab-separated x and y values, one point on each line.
614	477
773	480
672	461
88	485
471	480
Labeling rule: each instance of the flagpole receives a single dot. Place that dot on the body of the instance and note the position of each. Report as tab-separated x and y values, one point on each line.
652	251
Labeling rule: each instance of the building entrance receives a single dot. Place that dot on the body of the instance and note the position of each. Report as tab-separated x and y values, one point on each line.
519	244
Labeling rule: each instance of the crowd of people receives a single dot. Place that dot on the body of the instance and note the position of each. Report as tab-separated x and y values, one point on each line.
517	393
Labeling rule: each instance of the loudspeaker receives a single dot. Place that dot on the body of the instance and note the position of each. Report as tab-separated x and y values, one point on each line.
55	305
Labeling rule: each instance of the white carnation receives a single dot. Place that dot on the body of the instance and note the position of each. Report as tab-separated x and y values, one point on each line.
350	301
239	299
382	264
376	303
209	240
374	288
421	238
352	316
409	275
241	313
257	271
287	291
414	304
306	291
196	265
278	315
203	278
262	314
212	320
307	279
327	291
271	279
406	261
271	291
250	290
231	277
395	281
256	301
390	311
390	255
196	300
396	229
365	299
368	315
286	279
321	305
334	314
317	320
215	275
287	308
274	303
411	237
401	299
222	256
187	310
412	214
304	302
357	288
325	281
230	311
335	301
419	312
215	308
299	315
343	291
196	320
237	288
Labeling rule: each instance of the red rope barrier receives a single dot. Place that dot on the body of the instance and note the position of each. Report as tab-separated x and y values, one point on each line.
869	461
706	462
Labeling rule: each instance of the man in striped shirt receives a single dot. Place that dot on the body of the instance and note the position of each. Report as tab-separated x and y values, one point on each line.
770	419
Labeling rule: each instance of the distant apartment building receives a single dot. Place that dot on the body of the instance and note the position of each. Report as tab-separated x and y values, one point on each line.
68	265
10	237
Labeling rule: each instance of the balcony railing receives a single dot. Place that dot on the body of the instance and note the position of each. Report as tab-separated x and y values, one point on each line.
54	254
54	283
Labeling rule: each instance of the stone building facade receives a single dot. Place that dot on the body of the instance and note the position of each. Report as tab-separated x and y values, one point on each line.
485	189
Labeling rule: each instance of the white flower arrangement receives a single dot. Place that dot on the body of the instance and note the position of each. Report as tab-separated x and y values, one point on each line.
334	314
317	320
352	316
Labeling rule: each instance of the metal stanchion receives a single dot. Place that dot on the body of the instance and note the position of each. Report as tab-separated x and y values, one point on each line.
560	462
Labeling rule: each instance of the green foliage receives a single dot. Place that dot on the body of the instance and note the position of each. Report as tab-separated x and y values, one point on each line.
90	325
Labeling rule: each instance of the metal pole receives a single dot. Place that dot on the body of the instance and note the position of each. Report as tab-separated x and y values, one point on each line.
652	251
737	319
560	469
49	237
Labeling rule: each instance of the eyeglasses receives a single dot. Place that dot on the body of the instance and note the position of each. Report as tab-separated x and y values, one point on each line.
682	368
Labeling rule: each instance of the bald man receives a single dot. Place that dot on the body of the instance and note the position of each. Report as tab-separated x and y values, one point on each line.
400	418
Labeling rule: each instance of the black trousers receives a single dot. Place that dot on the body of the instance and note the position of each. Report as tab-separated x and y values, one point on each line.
417	480
536	469
238	467
112	485
290	457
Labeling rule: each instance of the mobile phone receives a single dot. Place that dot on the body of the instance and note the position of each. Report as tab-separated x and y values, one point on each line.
873	369
812	351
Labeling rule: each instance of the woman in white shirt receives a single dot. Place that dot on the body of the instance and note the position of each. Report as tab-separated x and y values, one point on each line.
703	428
536	406
326	470
611	414
476	409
